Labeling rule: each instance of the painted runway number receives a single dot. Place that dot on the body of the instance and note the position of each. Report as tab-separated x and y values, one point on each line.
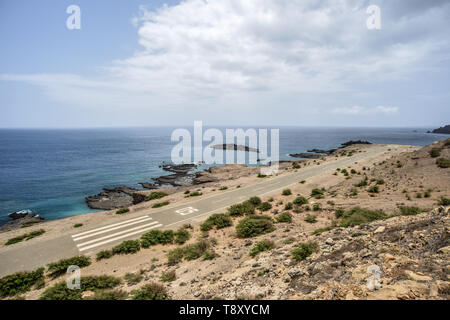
186	211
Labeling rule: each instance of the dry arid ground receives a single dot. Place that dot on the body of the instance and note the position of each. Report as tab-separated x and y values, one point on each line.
407	250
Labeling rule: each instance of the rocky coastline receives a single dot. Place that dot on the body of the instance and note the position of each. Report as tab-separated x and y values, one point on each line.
443	130
318	153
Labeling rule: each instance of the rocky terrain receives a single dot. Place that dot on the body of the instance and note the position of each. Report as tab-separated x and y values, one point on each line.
376	230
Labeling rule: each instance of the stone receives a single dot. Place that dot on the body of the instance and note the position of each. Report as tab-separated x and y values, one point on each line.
380	229
416	277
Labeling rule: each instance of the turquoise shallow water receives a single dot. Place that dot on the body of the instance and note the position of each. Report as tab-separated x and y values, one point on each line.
52	171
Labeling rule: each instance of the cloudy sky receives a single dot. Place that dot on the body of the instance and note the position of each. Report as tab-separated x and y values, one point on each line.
226	62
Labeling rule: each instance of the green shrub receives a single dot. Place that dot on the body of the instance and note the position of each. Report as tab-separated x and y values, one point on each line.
219	220
317	207
435	152
300	201
253	226
260	175
261	246
255	201
409	211
288	206
302	182
26	237
295	165
78	225
357	216
122	211
310	218
444	201
443	163
160	204
209	255
133	278
157	195
20	282
127	247
265	206
195	194
174	256
339	213
152	291
284	217
60	291
373	189
58	268
303	251
380	181
240	209
104	254
286	192
168	276
223	188
108	295
181	236
155	237
321	230
317	193
362	183
195	250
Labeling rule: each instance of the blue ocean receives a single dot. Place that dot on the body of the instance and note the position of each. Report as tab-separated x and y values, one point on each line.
52	171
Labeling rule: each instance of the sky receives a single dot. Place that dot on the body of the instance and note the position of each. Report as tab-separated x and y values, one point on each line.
225	62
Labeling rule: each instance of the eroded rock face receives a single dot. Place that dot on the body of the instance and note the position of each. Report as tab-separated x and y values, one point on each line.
21	221
115	198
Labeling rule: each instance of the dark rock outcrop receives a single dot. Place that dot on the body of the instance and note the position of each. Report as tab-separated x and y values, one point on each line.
21	220
234	147
115	198
351	142
444	130
306	155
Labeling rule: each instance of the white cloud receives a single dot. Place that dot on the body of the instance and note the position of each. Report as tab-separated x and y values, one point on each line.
201	52
357	110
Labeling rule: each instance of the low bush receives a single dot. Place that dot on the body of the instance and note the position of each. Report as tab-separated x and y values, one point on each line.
78	225
127	247
295	165
156	195
104	254
174	256
380	181
300	201
261	246
362	183
133	278
317	207
109	295
58	268
265	206
219	220
303	251
373	189
195	194
20	282
223	188
151	291
310	218
122	211
357	216
181	236
409	211
155	237
168	276
288	206
26	237
321	230
254	201
435	152
443	163
60	291
240	209
317	193
284	217
339	213
160	204
286	192
253	226
443	201
195	250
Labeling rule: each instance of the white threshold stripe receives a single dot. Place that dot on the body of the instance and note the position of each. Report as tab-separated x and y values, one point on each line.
118	238
111	229
108	226
116	234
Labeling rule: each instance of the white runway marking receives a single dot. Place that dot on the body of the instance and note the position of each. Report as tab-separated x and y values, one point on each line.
108	226
110	229
119	237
